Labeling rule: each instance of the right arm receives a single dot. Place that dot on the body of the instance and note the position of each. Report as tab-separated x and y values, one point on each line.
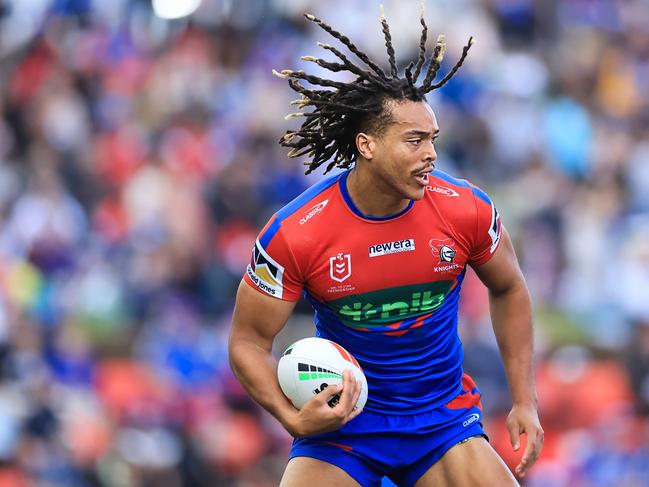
256	320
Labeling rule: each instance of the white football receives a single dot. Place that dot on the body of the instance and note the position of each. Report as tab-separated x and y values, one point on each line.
311	364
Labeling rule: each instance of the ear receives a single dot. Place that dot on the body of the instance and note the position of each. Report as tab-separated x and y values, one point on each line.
365	144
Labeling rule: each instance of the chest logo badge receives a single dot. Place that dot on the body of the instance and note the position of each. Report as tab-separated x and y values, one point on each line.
443	249
340	267
446	254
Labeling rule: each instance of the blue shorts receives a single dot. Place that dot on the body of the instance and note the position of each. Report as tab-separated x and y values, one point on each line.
401	447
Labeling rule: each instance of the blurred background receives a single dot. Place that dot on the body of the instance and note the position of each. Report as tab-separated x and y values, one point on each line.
138	161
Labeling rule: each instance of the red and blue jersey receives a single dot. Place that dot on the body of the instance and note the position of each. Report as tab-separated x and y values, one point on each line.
385	288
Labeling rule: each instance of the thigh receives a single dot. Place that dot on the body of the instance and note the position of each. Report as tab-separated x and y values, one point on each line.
473	463
310	472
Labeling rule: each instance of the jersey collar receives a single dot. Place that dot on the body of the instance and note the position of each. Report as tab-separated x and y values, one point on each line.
350	203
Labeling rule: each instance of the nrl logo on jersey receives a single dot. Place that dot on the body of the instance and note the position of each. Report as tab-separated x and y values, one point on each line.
446	253
313	211
340	267
407	245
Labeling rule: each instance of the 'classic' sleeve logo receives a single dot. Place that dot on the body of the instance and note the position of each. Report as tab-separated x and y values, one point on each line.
265	272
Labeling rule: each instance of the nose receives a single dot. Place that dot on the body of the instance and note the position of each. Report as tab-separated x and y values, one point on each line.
430	154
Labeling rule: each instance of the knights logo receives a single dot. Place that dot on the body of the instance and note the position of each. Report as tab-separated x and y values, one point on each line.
340	267
443	249
446	254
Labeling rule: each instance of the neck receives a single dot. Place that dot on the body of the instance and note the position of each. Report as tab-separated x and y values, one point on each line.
372	195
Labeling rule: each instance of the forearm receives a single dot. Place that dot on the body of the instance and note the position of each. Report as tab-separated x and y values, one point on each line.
511	315
256	370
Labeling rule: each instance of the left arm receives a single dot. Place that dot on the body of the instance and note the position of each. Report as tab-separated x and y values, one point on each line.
511	315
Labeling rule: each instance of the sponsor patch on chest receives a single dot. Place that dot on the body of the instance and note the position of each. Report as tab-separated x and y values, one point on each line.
397	246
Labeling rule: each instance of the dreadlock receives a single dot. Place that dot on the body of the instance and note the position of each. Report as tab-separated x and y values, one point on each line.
341	110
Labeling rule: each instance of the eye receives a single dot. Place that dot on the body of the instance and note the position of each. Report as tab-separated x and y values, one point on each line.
415	141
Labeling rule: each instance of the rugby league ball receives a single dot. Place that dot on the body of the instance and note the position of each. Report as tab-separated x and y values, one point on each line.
311	364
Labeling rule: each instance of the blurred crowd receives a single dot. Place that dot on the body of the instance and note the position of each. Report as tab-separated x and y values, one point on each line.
139	159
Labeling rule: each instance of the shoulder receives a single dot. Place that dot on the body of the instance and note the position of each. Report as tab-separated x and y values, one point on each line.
292	217
464	205
281	251
444	184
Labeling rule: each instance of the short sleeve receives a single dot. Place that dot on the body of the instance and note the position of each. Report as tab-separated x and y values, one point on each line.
273	269
488	229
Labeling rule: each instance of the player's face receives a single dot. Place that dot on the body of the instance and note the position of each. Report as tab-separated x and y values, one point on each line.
404	155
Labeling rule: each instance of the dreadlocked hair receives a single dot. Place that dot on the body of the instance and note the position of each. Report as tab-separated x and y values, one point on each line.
340	110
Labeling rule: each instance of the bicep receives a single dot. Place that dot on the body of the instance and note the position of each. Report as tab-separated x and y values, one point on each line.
257	317
502	272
